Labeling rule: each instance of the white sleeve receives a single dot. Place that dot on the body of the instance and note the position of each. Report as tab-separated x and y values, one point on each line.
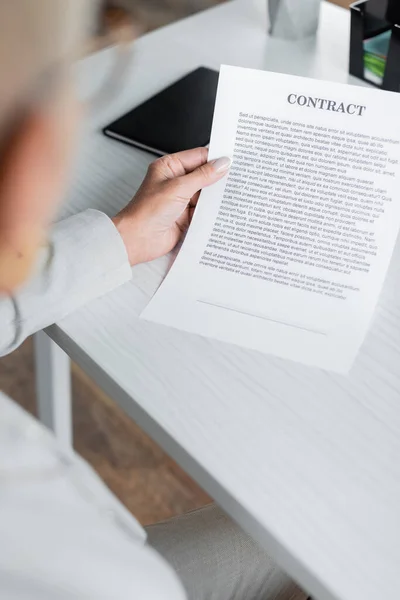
85	259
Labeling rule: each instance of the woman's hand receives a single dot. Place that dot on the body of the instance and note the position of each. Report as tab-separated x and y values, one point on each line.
159	214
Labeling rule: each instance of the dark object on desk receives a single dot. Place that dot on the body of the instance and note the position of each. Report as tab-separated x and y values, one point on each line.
178	118
378	8
393	11
387	10
375	43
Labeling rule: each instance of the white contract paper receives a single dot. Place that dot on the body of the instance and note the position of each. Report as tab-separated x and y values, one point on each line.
288	253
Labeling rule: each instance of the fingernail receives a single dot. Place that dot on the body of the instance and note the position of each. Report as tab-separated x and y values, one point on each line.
221	164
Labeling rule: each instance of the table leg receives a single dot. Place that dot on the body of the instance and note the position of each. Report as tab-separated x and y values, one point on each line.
53	387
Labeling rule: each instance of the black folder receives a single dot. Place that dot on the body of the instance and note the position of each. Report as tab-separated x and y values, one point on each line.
177	118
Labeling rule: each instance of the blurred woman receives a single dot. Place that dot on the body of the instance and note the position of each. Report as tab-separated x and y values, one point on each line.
63	535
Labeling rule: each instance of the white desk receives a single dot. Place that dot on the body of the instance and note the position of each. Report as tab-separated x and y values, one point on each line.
306	461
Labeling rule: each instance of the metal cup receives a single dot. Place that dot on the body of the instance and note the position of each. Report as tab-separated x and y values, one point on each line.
293	19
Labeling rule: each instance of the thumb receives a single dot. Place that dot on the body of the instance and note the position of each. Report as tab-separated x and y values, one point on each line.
204	175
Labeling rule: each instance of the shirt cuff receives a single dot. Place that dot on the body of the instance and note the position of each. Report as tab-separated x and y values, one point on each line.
85	259
100	257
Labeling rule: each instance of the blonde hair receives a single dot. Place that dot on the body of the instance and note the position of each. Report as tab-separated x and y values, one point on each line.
36	37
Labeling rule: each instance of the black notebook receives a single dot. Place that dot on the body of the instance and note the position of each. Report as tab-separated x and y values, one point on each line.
178	118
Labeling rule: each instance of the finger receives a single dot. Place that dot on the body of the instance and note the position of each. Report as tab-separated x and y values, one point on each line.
184	213
203	176
178	164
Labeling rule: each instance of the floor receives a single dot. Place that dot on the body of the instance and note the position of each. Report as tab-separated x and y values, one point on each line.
146	480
